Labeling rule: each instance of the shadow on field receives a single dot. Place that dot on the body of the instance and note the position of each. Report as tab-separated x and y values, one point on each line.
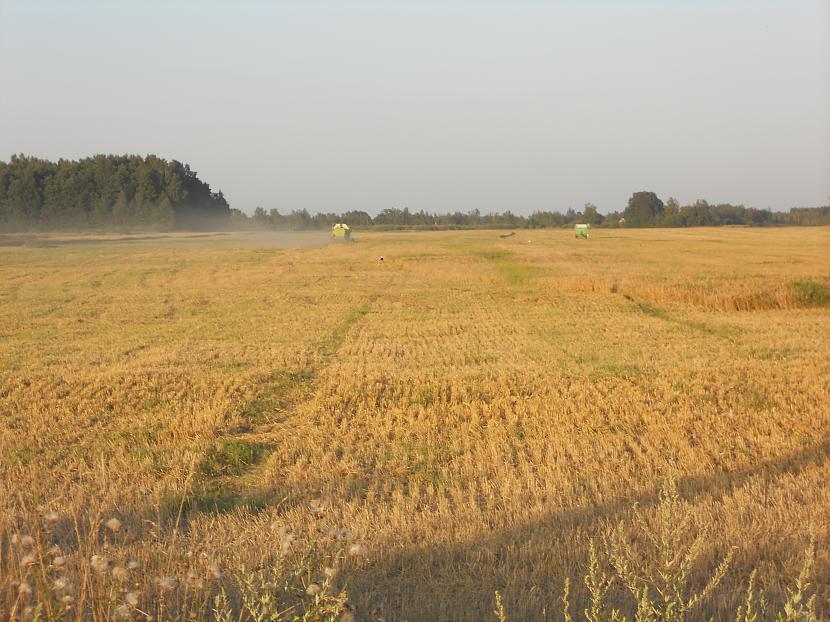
434	582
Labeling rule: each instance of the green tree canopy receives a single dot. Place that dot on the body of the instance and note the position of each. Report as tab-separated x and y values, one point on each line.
106	191
644	210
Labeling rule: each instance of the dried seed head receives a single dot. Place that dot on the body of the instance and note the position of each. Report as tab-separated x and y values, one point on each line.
24	590
27	541
279	529
287	543
51	517
167	584
132	598
99	563
133	565
68	600
357	550
113	524
331	573
28	560
214	571
61	584
59	561
313	589
119	573
123	611
194	580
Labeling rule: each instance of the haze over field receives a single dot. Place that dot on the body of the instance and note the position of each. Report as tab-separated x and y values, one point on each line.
436	106
389	311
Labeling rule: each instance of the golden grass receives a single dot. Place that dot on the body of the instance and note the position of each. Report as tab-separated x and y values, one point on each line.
473	409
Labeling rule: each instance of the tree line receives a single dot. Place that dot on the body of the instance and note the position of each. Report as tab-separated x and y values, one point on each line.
645	209
106	192
120	192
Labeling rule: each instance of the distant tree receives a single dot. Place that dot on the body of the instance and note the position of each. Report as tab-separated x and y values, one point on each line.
163	215
239	219
356	218
299	220
727	214
546	219
106	191
590	215
510	219
757	217
612	219
809	216
671	214
260	218
570	216
389	216
131	191
324	220
275	219
697	214
121	209
644	209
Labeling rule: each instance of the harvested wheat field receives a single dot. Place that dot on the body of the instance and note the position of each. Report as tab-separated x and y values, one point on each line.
295	428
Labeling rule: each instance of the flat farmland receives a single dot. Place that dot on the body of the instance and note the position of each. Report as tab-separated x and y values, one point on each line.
468	415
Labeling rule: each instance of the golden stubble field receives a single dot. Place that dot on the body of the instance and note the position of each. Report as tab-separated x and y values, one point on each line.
461	418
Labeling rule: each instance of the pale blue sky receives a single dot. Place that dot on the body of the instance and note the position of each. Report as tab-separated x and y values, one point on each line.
434	105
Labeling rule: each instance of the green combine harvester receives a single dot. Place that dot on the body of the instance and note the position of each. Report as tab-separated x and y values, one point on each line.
581	231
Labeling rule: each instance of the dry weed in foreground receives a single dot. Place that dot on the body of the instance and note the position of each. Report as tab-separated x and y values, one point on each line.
652	570
45	577
653	563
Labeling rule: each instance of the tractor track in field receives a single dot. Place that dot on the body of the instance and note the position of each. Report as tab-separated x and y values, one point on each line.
231	469
721	332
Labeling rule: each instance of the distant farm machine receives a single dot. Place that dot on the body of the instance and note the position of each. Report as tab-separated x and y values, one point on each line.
581	231
342	232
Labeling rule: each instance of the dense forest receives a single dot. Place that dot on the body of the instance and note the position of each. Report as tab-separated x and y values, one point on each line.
133	192
644	209
106	192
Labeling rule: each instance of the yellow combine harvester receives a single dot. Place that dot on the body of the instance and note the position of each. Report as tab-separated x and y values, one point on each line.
341	231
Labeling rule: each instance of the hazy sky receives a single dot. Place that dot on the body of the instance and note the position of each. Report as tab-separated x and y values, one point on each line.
519	105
